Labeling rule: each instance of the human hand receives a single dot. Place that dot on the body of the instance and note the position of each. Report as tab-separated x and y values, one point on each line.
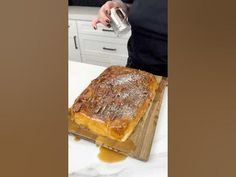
103	14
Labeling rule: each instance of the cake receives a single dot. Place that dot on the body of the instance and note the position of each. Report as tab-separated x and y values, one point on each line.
114	103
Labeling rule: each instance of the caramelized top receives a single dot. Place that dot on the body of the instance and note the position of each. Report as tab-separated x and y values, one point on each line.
117	93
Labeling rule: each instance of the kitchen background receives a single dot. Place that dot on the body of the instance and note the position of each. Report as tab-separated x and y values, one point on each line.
99	47
103	48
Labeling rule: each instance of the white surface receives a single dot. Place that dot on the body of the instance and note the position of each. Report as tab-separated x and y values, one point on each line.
82	157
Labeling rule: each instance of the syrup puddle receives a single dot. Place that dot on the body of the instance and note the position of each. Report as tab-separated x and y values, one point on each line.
105	154
77	137
109	156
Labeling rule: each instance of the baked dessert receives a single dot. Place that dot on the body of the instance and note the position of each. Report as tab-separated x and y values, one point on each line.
113	103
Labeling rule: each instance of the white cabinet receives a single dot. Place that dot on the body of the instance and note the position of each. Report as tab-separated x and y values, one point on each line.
104	59
73	42
90	44
73	50
72	28
99	47
85	27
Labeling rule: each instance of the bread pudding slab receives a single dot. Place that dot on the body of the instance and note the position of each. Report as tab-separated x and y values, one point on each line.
114	103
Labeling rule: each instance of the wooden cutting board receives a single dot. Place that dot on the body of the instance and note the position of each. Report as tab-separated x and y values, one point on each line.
139	144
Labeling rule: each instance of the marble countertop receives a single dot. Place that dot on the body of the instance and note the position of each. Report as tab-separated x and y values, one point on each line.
82	155
82	12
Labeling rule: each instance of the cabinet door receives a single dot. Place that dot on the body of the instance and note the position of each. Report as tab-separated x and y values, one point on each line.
73	50
72	28
96	60
104	60
85	27
90	44
118	60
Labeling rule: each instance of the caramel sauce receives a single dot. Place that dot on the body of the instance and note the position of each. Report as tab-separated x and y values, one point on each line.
126	146
72	127
77	137
109	156
105	154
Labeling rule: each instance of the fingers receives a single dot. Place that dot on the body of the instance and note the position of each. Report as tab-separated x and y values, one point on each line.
103	16
107	8
95	22
104	20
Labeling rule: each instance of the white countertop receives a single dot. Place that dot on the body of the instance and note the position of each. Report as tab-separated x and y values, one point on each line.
82	157
82	12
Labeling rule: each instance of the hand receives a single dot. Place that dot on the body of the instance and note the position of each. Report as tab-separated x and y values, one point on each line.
103	15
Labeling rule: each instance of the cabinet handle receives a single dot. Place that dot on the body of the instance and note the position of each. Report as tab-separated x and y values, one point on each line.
107	30
111	49
76	47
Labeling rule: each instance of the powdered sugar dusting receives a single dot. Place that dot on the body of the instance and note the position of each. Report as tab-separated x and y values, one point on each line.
125	79
117	93
128	92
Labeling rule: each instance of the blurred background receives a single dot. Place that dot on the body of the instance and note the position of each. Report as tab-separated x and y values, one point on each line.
92	3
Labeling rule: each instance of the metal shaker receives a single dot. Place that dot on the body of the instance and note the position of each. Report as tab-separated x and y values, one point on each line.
119	21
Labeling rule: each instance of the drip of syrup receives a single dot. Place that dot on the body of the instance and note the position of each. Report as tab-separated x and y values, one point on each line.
77	137
109	156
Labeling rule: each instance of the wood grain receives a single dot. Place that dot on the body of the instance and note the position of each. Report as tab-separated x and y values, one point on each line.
139	144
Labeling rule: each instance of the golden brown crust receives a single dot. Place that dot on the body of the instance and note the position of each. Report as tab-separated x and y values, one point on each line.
114	102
